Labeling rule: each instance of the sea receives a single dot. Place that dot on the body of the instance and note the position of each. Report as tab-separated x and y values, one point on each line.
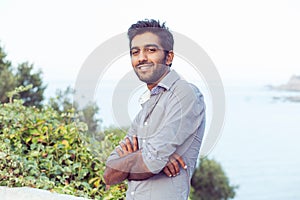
260	143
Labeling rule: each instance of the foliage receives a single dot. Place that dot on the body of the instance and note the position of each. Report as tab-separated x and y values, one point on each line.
17	91
23	75
45	149
88	115
63	102
210	182
7	82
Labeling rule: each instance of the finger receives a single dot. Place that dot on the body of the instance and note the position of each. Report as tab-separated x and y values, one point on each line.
171	169
123	146
167	172
175	165
128	145
135	143
119	151
180	160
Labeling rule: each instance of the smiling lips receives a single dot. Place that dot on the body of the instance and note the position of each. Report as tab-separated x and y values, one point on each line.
144	67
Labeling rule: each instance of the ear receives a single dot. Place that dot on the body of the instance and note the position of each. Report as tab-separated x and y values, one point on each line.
169	57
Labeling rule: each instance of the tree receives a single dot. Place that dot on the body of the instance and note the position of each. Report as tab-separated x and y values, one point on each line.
63	103
25	76
7	80
210	182
11	78
89	117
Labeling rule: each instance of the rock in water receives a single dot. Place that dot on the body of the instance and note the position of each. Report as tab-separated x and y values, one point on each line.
293	84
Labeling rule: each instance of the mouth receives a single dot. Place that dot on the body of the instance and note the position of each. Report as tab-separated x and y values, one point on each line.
144	67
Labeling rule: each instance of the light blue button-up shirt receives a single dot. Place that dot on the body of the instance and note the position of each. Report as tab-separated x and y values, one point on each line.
172	120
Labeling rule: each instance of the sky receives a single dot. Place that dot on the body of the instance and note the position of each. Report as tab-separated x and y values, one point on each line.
250	42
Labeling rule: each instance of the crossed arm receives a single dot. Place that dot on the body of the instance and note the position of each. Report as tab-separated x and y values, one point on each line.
131	166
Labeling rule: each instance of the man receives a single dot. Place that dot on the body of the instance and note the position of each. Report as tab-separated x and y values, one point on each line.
159	154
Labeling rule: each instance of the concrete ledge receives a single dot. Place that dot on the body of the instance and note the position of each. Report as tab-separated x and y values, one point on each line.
26	193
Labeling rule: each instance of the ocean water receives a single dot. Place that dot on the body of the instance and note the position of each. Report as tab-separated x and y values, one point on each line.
260	144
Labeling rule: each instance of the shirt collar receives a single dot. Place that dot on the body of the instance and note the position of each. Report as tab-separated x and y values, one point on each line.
169	80
164	84
156	90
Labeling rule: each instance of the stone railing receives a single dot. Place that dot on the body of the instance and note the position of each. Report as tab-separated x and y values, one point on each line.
26	193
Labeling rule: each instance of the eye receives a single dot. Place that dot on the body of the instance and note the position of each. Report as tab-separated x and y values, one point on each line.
134	52
151	49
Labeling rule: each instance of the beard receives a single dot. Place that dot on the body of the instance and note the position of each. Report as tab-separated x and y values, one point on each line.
152	73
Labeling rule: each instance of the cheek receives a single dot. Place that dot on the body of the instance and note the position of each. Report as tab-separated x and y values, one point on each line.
133	62
159	59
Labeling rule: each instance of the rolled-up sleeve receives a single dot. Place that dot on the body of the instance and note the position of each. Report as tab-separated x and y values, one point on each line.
182	116
132	131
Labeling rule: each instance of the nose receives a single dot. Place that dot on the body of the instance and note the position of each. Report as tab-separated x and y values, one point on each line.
142	57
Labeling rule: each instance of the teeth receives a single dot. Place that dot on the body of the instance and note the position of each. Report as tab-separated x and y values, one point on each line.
144	67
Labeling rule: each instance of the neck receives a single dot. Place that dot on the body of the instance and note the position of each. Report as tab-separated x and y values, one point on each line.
152	85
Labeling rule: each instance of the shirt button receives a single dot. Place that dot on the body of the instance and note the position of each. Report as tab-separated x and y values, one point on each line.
144	141
132	193
146	123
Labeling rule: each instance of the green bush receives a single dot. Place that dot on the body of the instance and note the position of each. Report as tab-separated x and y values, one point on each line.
209	182
43	149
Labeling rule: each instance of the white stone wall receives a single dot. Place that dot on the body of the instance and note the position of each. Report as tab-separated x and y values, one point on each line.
26	193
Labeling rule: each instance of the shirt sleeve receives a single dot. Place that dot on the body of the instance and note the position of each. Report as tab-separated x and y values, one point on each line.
184	113
132	131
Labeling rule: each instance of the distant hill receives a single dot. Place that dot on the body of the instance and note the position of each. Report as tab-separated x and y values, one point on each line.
292	85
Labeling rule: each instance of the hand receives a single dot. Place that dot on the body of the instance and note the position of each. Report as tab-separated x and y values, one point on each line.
172	167
128	147
107	187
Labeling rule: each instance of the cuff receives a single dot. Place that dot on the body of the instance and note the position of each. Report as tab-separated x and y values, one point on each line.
153	162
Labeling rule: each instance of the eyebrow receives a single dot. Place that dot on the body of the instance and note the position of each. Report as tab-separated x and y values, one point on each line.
147	45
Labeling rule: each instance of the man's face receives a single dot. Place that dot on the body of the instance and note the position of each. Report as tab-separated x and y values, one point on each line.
148	58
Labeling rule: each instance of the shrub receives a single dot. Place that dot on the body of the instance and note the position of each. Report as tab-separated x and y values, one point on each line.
43	149
209	182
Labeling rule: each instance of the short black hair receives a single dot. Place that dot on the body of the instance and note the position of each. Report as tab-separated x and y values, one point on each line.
155	27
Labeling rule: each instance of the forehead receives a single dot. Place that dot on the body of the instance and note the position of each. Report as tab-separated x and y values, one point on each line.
145	39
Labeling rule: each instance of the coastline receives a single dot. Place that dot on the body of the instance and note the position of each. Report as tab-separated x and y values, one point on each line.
293	85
